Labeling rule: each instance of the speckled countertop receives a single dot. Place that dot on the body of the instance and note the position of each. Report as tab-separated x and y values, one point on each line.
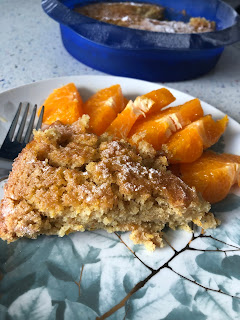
31	50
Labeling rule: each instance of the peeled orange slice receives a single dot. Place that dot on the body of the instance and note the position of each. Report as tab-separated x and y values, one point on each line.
63	104
122	124
188	144
158	127
212	174
103	108
146	104
162	98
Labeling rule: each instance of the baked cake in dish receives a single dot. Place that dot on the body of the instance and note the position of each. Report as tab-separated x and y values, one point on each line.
68	180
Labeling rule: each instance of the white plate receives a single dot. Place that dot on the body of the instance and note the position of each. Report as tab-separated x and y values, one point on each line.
40	276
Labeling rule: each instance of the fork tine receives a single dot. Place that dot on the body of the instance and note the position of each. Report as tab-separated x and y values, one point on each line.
39	123
22	124
30	126
12	128
11	148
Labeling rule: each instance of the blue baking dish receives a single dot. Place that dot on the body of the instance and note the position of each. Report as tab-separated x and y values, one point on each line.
147	55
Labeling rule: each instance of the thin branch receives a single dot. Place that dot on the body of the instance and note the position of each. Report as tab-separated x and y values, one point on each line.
201	233
141	284
169	244
79	283
212	250
200	285
121	240
81	275
121	304
127	309
211	237
193	237
119	237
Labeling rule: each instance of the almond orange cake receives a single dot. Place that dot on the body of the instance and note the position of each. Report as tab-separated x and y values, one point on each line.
68	179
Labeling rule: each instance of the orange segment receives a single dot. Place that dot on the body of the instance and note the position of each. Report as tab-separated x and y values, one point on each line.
162	98
146	104
158	127
103	108
63	104
213	131
212	174
188	144
122	124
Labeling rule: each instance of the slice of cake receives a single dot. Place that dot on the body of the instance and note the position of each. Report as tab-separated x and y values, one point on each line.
69	180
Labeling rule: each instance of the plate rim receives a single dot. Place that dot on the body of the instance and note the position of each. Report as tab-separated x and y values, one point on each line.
63	78
70	78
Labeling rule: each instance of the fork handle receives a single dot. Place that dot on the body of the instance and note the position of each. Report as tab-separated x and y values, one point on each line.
4	174
5	164
5	168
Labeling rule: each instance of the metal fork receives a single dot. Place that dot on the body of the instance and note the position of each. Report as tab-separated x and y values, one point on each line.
14	143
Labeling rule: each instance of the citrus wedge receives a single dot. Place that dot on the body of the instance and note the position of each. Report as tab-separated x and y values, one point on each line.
158	127
188	144
162	98
146	104
63	104
122	124
103	108
212	174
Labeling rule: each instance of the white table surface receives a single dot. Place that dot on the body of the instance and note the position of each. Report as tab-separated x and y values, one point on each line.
31	50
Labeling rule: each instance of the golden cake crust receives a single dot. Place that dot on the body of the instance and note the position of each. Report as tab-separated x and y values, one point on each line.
69	180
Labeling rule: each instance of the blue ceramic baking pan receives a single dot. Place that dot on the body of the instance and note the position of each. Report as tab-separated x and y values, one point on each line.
147	55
